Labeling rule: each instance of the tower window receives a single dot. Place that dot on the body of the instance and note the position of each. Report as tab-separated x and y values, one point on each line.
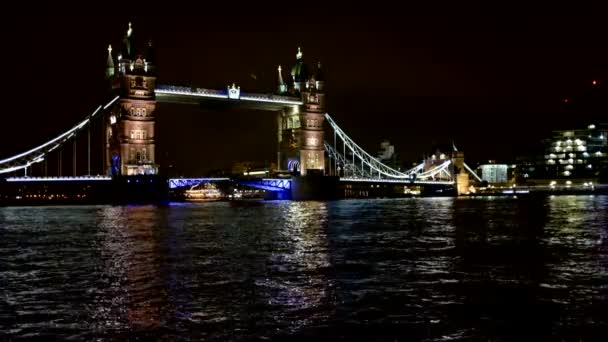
141	155
138	134
139	111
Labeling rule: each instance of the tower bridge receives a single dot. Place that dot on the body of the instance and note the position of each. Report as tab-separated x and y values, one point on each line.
128	118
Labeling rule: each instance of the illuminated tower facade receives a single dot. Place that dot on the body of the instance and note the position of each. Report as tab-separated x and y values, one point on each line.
301	139
130	130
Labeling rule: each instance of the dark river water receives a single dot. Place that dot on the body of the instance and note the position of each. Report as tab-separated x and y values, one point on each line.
429	269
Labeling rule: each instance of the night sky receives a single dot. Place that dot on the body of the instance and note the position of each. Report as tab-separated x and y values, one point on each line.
494	86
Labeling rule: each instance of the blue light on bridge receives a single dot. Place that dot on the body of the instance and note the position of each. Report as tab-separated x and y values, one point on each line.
175	183
268	184
273	184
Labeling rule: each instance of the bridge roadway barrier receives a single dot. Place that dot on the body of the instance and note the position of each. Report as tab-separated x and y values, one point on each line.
156	189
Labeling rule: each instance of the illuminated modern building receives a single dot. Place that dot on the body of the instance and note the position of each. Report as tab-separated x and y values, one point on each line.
580	153
569	155
494	173
130	141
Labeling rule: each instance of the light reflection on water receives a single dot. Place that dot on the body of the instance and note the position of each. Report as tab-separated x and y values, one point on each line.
404	269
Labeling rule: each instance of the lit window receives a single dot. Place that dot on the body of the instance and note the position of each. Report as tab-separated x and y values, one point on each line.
566	173
138	134
312	141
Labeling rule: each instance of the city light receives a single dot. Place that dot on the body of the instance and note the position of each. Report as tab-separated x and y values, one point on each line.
255	173
58	179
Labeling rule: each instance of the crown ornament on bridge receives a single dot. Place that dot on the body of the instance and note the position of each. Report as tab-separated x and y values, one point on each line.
234	92
299	54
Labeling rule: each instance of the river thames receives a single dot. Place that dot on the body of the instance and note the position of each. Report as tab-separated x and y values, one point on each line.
429	269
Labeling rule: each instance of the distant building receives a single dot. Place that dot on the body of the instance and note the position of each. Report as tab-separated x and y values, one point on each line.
569	155
387	155
494	173
580	153
252	168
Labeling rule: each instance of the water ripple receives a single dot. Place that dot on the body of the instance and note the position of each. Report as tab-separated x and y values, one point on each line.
430	269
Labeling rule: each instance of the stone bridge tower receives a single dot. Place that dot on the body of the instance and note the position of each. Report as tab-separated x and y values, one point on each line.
300	134
130	147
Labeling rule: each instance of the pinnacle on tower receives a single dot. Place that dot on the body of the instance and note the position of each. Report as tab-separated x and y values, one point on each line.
299	72
282	87
150	57
319	74
110	63
127	44
281	82
319	77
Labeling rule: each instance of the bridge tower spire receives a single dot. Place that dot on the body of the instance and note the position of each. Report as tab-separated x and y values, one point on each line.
299	73
130	126
110	63
282	86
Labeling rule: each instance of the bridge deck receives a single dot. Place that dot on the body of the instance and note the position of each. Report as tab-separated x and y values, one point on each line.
196	96
395	181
